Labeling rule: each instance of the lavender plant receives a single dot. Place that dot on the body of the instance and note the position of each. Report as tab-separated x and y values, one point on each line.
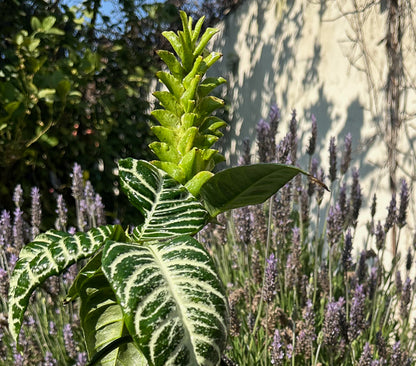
309	295
42	339
151	295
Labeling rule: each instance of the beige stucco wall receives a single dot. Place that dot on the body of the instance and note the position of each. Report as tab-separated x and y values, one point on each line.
308	59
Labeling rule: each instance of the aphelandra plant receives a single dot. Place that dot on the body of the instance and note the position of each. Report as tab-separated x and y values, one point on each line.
151	295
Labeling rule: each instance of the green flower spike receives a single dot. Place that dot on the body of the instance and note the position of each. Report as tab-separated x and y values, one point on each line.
187	128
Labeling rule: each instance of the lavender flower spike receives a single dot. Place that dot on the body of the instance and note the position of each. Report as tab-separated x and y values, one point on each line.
312	140
277	353
356	197
346	253
18	196
77	182
357	315
332	160
334	225
69	341
391	215
36	211
263	141
293	128
380	235
269	289
62	211
333	322
366	358
404	203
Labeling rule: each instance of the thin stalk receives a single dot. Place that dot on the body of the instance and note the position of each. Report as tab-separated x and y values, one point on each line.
330	271
315	269
261	302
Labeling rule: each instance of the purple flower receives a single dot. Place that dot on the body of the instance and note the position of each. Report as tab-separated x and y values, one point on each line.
396	355
404	203
381	345
356	197
362	267
293	275
277	354
12	261
332	160
52	328
306	335
69	342
346	253
4	283
374	206
312	140
18	358
270	281
333	322
81	359
99	210
274	119
18	196
62	212
77	182
334	225
243	219
283	150
409	259
357	315
5	229
380	236
304	206
346	156
36	212
283	210
343	204
405	298
263	141
391	215
398	282
293	142
49	360
366	357
373	281
245	159
18	231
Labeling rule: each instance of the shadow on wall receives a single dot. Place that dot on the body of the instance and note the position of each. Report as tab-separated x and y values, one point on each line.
252	81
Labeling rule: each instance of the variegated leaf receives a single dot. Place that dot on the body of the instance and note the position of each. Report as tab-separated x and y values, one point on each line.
49	254
168	208
103	324
173	300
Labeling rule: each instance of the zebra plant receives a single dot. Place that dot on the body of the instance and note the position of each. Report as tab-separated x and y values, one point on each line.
151	295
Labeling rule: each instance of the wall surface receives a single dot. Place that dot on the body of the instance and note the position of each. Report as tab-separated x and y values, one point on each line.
325	58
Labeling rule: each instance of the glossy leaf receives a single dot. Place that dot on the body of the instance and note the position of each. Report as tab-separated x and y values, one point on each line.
173	301
103	324
49	254
245	185
167	207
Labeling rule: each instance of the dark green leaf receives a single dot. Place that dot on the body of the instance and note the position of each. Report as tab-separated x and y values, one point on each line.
245	185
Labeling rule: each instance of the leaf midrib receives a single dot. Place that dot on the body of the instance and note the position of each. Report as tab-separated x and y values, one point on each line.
179	308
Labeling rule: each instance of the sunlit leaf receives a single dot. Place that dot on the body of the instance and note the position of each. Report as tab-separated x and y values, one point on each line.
172	298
